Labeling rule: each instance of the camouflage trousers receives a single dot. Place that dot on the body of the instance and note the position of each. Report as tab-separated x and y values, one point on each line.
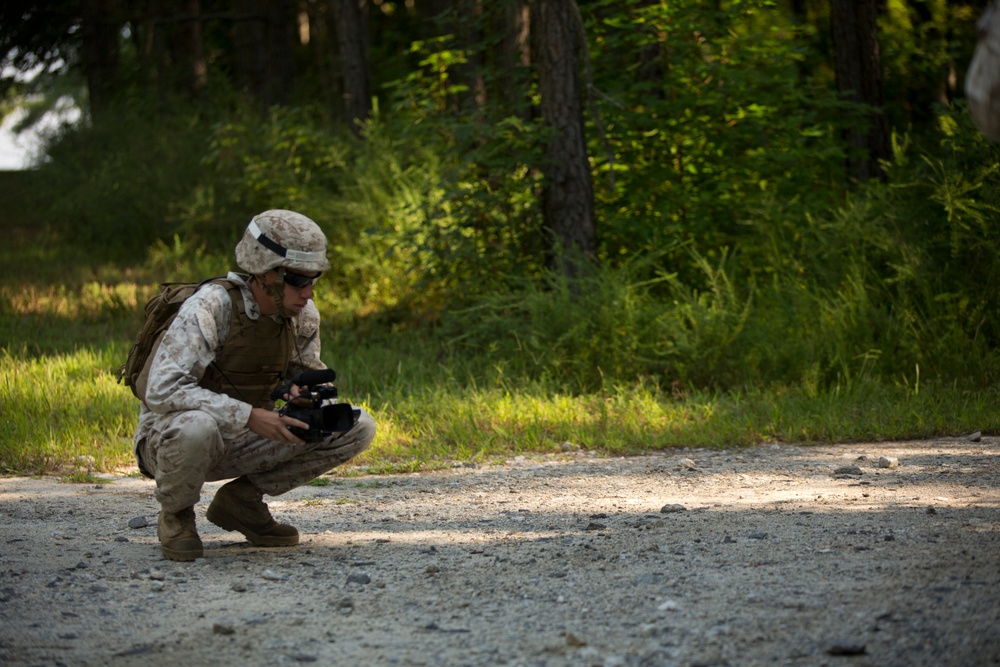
185	449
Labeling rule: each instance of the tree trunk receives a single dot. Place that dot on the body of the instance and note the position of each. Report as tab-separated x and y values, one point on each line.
170	46
514	58
101	29
322	50
568	193
264	40
189	49
431	17
470	39
858	67
354	43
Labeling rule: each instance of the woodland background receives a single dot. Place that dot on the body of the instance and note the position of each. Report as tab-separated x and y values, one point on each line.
539	198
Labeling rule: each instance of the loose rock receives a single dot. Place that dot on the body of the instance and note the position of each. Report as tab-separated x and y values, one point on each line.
845	648
223	628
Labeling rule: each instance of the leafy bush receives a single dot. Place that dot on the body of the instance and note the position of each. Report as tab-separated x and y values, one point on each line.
712	121
613	324
897	282
731	253
288	158
115	185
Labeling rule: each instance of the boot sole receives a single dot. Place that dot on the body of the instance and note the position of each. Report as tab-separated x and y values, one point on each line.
181	555
227	522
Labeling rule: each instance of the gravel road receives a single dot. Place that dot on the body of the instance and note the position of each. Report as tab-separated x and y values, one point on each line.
869	554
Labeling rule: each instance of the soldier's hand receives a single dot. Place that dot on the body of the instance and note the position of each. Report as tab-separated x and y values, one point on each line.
273	426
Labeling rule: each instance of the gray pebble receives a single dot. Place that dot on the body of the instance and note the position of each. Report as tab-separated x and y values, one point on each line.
223	628
845	648
888	462
137	522
359	578
848	470
671	508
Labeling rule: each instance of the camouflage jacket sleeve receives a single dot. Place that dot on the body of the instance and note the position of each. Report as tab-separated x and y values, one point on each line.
188	348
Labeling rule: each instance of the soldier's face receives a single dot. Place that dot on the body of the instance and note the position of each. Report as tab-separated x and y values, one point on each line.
298	289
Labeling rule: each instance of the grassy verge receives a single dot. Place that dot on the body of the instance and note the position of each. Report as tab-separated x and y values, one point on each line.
65	411
66	323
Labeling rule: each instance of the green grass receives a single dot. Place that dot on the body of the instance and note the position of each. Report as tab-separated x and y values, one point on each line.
434	426
66	322
58	408
61	408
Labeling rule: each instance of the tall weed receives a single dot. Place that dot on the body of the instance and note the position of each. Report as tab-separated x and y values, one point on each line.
615	324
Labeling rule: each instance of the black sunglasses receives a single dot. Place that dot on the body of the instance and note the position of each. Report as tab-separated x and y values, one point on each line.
299	281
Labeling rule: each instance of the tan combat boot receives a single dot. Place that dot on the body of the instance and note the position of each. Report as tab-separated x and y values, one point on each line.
239	506
178	536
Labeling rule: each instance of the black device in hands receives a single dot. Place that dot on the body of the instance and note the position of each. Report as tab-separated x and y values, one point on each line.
316	405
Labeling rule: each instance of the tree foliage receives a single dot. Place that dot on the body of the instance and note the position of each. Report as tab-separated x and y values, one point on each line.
731	244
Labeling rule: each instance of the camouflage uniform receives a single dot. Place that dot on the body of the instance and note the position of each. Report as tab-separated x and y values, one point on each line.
189	435
208	385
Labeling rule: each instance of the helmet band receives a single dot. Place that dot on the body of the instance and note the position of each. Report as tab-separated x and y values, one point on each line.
278	249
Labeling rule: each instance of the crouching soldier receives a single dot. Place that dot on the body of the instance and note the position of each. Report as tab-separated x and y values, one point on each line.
208	413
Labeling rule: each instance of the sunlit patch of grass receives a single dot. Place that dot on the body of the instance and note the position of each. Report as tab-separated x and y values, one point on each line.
448	423
90	300
60	408
83	477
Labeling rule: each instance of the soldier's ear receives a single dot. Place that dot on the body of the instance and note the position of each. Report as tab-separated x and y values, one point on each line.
266	278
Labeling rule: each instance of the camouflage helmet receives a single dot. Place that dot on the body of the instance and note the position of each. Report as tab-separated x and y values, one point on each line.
279	238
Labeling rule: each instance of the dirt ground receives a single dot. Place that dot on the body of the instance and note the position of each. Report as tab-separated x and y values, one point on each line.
861	554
